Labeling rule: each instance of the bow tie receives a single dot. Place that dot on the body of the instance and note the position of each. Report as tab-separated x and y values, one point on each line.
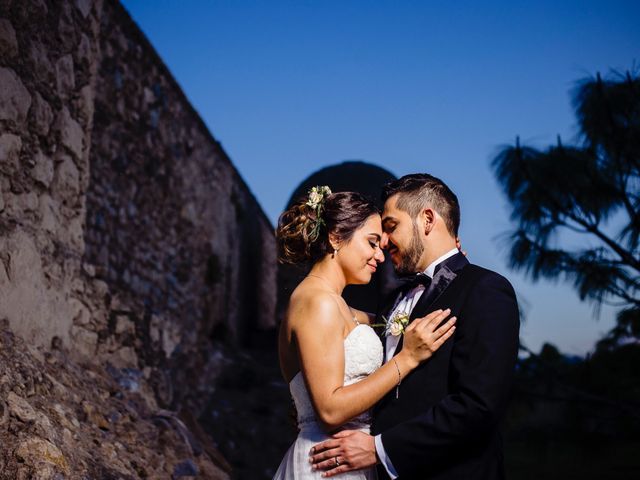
412	281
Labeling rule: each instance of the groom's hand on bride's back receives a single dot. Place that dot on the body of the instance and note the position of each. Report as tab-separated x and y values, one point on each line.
346	451
459	247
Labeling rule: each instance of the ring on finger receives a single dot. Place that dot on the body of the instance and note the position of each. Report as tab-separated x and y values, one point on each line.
337	461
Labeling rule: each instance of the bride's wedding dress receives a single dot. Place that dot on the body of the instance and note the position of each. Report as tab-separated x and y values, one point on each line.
362	356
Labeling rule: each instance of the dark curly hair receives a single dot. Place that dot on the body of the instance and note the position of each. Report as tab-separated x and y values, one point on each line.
342	214
419	190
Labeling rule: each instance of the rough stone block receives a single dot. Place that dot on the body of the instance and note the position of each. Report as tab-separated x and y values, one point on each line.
65	77
42	172
17	205
42	115
42	455
75	232
125	357
36	309
15	99
36	9
10	147
148	96
41	65
65	417
84	6
48	211
84	104
89	269
20	408
71	133
85	341
84	52
124	325
81	313
8	41
66	181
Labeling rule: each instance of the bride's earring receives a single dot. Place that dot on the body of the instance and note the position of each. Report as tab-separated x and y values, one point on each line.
335	251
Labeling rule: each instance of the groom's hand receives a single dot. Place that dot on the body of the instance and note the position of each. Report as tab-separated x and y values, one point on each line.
352	449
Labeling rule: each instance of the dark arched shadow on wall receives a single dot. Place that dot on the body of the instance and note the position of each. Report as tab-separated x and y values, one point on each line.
357	176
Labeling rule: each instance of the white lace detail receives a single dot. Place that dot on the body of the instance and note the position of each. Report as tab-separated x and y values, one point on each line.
362	357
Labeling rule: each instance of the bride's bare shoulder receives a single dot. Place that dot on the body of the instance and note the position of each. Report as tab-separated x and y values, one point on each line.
314	308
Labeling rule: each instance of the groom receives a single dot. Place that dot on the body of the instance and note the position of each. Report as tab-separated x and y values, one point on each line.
443	420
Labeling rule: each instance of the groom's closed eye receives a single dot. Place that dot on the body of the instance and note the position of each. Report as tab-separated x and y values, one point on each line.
388	226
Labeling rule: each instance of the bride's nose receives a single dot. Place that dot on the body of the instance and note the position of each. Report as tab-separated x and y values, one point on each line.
379	255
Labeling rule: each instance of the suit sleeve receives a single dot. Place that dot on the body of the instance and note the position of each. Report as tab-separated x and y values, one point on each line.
480	376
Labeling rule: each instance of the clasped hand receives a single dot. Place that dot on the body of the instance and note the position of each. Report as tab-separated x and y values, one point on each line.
346	451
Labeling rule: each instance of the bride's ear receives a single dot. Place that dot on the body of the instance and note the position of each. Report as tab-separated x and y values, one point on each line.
334	242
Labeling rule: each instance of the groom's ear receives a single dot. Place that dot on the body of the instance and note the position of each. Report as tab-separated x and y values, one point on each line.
428	218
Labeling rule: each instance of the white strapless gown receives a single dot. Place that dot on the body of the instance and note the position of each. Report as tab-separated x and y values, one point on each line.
362	357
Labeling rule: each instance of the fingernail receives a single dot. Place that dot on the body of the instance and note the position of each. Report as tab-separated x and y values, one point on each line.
313	450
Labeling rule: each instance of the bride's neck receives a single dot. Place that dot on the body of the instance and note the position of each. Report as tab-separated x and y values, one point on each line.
330	274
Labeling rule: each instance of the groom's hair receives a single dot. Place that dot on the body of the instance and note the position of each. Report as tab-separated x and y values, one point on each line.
421	190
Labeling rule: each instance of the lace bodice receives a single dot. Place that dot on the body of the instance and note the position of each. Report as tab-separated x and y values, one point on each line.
362	357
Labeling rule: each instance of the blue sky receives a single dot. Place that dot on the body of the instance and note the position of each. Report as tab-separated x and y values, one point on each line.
289	87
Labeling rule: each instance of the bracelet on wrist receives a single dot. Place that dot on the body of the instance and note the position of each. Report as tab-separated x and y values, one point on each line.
399	378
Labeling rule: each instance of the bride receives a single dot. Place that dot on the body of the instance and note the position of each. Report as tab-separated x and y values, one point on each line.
329	354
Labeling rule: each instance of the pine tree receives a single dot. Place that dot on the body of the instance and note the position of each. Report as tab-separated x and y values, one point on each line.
591	189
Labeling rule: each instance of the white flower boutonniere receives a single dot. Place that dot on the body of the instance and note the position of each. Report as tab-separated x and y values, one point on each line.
396	325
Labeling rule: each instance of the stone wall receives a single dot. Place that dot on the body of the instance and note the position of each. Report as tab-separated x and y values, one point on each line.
126	234
48	60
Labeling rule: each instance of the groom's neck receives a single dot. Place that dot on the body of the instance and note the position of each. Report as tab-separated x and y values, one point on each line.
434	251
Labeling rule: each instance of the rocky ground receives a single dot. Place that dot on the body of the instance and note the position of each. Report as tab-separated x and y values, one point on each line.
60	419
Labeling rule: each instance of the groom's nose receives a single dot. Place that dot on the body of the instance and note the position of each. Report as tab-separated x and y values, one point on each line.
384	240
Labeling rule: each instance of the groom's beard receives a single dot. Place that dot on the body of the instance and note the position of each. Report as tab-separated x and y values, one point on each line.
410	258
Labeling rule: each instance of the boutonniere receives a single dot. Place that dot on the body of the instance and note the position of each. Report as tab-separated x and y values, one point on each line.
396	325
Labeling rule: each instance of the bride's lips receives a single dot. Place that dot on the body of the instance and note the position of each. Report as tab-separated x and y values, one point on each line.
372	267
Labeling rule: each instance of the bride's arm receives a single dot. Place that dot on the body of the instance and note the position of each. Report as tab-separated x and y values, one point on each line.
320	341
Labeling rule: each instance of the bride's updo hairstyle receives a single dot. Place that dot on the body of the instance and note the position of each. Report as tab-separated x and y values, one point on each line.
303	235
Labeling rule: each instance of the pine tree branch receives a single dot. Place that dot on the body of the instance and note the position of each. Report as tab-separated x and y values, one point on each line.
624	255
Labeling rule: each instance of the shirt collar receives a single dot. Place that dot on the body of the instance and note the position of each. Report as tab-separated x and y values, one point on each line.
432	266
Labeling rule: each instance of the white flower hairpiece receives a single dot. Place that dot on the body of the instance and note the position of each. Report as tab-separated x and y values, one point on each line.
317	196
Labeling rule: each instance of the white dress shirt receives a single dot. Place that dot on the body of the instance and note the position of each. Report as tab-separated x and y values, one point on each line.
404	304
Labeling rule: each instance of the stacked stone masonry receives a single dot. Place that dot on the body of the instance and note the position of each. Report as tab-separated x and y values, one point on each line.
127	237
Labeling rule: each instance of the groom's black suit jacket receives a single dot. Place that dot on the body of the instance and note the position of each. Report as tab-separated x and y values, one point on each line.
444	425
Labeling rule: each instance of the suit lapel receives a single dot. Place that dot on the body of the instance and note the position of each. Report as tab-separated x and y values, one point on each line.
445	273
385	312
